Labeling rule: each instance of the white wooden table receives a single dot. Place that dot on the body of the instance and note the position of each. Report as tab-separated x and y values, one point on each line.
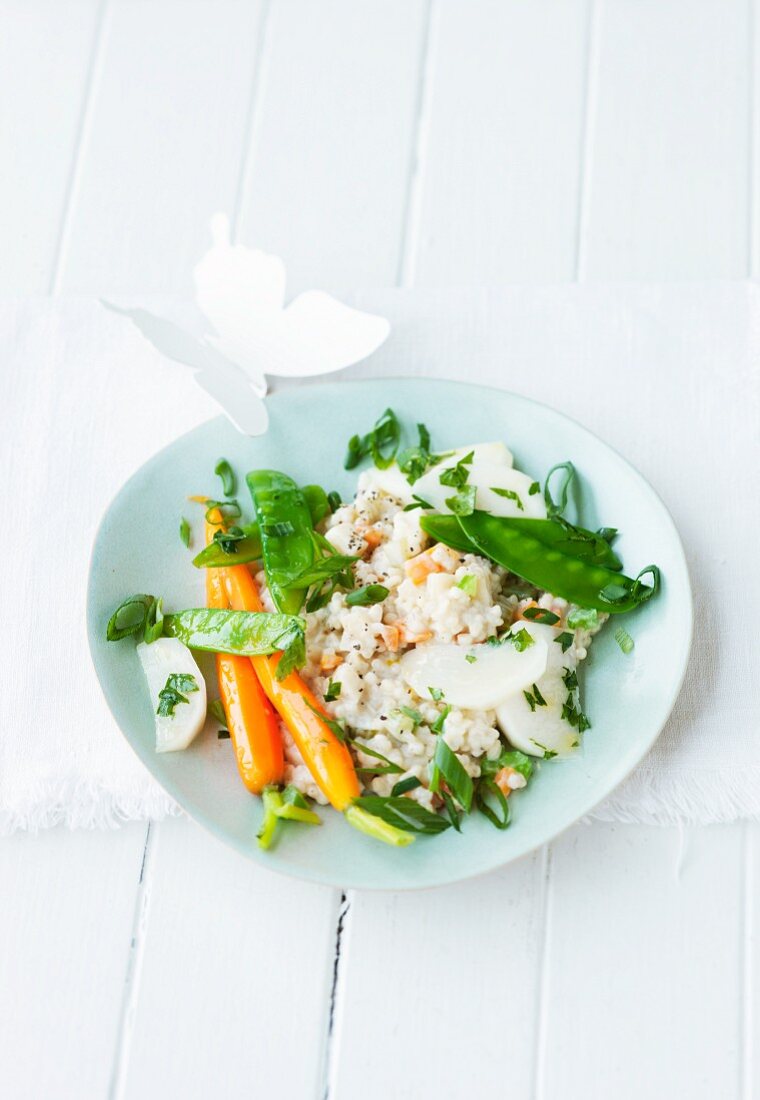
376	143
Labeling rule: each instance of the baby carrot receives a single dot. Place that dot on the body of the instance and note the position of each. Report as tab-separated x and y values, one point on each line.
252	721
326	757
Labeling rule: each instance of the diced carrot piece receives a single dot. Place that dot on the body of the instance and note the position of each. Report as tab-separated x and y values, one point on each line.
330	661
501	779
418	569
391	635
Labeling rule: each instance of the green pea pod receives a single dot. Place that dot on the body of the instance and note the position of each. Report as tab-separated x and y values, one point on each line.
557	534
286	531
446	529
581	582
249	548
246	633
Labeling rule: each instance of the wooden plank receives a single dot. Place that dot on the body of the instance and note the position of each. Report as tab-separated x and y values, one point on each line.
64	936
669	172
448	979
235	979
332	139
164	146
503	135
643	961
45	52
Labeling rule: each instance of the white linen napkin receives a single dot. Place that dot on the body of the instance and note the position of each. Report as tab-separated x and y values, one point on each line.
669	374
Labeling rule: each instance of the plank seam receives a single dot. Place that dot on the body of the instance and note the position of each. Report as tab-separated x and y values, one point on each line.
542	976
590	86
128	1011
253	115
410	221
338	974
92	80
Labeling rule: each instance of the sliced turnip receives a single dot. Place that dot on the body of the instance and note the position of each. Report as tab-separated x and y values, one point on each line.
160	660
490	469
476	677
542	729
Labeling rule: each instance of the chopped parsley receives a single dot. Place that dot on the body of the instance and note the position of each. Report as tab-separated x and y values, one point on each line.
381	442
414	461
535	699
435	694
509	494
534	488
470	658
565	640
333	691
173	692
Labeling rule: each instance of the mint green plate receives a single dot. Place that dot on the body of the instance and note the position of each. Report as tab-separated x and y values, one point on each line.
628	698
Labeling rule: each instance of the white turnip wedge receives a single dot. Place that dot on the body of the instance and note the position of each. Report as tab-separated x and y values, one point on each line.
476	677
169	658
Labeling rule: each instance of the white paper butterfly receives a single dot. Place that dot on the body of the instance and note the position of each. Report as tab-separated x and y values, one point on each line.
241	292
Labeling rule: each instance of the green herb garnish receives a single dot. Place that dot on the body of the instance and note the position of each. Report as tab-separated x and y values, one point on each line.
402	813
470	658
414	461
456	476
535	699
154	622
509	494
411	783
418	502
334	689
435	694
387	768
565	640
184	531
440	722
334	727
624	639
413	713
365	597
540	615
173	692
448	768
224	471
129	617
228	540
228	509
468	584
549	754
216	710
381	442
534	488
583	618
463	504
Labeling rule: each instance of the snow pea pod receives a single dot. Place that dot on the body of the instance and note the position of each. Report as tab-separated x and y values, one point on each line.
247	633
557	534
248	549
584	583
286	530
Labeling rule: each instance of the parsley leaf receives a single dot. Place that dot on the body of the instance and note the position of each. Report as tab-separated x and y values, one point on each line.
509	494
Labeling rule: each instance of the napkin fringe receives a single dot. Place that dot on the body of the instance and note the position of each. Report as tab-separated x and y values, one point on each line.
85	805
649	797
700	797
